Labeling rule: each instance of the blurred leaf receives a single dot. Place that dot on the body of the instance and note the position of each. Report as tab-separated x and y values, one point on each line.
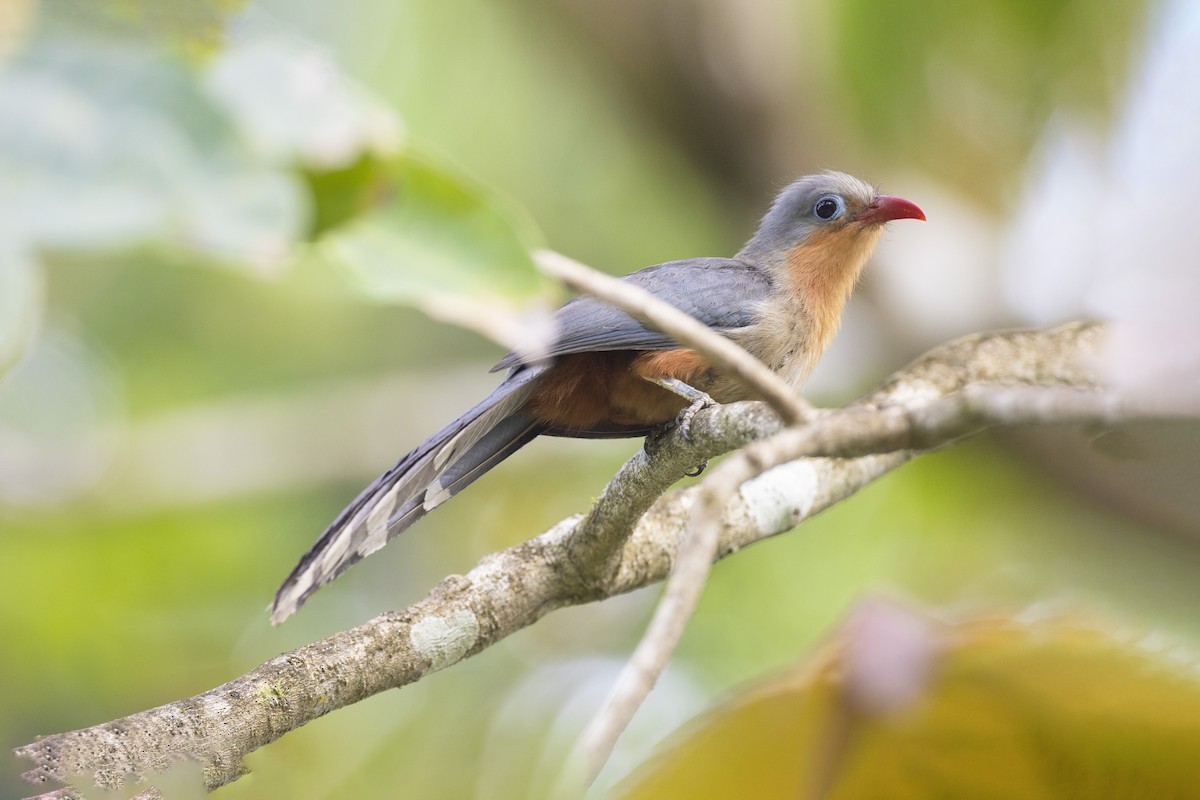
440	243
292	103
194	28
1050	709
343	193
20	299
106	147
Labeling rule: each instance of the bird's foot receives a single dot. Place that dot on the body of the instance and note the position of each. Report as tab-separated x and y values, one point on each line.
697	401
684	420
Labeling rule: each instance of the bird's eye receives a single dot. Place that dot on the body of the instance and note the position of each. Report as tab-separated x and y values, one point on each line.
829	207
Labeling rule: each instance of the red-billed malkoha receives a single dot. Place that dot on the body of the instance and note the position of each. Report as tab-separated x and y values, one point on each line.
780	297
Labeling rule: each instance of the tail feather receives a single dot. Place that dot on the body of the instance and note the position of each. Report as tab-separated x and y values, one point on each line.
419	482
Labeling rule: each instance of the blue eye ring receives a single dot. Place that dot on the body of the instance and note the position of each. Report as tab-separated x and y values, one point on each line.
829	207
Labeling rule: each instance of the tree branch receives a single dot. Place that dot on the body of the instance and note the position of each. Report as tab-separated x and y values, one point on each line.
922	406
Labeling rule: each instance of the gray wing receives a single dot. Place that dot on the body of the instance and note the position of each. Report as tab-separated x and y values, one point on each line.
723	293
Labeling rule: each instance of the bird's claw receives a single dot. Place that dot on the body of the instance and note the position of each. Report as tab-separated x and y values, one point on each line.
684	420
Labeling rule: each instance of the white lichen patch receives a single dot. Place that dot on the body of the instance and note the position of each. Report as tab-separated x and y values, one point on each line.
215	707
914	392
445	640
781	497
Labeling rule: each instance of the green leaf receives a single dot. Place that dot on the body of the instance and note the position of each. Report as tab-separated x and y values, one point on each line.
343	193
439	242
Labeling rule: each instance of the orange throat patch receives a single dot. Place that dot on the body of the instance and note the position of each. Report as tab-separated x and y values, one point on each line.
823	272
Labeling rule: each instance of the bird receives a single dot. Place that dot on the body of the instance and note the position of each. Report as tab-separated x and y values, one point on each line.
606	375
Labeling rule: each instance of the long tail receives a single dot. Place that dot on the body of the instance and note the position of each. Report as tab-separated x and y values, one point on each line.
419	482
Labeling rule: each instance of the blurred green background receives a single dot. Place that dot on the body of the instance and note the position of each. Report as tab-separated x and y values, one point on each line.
184	419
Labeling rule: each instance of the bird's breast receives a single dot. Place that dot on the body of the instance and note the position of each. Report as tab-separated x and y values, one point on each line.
800	321
782	338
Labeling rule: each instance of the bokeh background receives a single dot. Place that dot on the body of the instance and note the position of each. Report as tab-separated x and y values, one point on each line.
189	398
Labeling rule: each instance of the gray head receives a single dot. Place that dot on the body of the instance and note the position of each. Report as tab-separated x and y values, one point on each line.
829	202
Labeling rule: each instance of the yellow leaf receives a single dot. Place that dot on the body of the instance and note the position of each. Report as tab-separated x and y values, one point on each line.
1001	709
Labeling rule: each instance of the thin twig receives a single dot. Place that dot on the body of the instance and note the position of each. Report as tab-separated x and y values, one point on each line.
697	551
